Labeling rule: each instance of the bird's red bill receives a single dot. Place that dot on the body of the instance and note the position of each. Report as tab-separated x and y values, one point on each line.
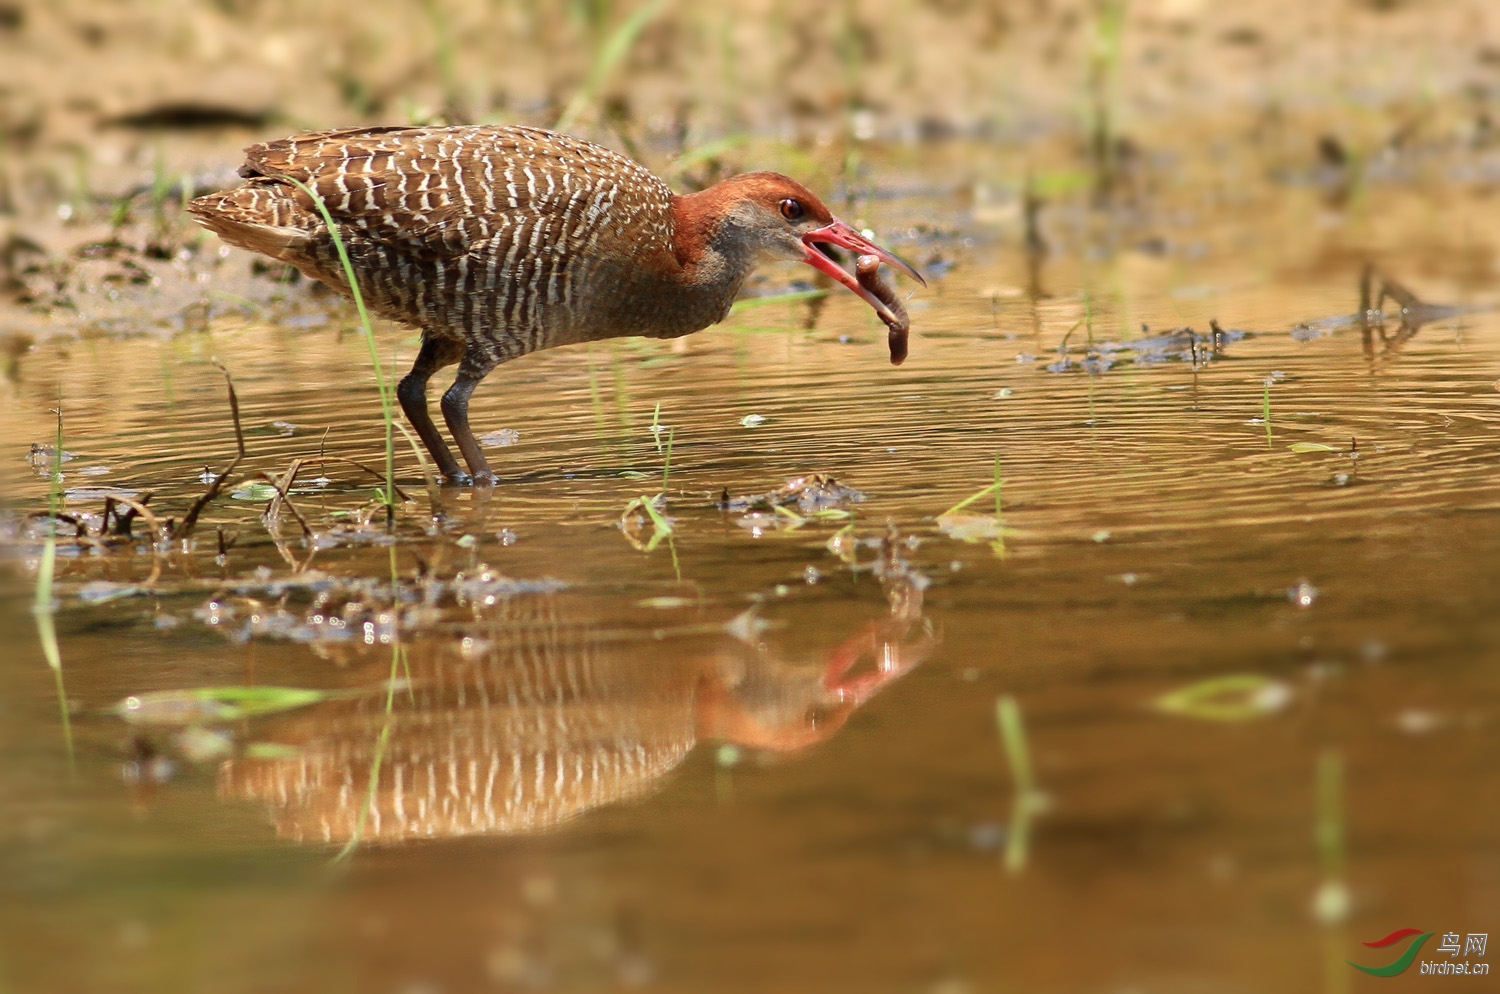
868	286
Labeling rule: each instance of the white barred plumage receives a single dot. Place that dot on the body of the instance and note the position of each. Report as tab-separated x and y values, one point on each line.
498	241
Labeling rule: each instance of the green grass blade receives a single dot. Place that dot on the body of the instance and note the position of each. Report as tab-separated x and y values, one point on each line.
661	524
387	392
993	488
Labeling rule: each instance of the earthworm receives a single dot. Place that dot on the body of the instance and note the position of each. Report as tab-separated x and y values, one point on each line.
893	313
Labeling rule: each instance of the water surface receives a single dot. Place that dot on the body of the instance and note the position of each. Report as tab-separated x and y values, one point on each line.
607	766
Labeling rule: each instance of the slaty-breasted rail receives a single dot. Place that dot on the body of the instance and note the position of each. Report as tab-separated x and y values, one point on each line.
501	241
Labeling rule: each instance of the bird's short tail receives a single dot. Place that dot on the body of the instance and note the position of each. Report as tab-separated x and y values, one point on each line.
260	217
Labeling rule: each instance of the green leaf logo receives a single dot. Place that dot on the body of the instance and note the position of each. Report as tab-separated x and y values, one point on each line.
1401	962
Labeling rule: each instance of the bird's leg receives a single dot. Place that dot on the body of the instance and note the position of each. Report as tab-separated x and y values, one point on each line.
474	368
436	353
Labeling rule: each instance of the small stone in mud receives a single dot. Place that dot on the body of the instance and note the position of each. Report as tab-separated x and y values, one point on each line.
892	312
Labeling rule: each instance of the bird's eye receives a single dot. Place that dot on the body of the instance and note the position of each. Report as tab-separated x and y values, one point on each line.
791	209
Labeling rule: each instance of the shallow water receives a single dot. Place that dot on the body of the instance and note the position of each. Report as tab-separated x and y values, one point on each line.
561	803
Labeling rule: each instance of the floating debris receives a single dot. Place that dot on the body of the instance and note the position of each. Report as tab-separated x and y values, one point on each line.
487	586
971	527
665	603
1414	721
254	491
104	591
1176	345
100	493
42	457
213	705
810	494
499	438
1302	594
1239	697
204	745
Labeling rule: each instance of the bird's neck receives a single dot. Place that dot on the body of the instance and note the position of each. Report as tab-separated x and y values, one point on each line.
712	264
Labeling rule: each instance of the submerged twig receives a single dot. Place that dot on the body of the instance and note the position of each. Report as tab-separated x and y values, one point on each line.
372	471
272	514
190	520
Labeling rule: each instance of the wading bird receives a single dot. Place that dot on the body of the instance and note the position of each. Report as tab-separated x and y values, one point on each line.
501	241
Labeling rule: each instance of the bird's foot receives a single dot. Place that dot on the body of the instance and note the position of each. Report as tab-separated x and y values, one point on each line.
484	478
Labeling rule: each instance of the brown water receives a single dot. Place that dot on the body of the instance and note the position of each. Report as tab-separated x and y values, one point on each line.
561	804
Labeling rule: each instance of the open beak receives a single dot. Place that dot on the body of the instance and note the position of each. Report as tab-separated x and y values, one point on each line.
840	234
892	657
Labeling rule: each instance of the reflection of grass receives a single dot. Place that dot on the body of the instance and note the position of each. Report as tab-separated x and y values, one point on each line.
666	466
1027	801
387	392
1331	905
662	527
382	742
42	608
1265	411
1331	901
399	665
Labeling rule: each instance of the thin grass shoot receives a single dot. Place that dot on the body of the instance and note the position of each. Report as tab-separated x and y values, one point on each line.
993	488
387	391
1265	411
43	608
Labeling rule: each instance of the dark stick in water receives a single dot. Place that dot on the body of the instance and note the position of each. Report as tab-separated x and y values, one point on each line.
867	268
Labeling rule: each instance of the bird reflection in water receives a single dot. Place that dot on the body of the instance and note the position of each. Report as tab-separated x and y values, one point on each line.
533	718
